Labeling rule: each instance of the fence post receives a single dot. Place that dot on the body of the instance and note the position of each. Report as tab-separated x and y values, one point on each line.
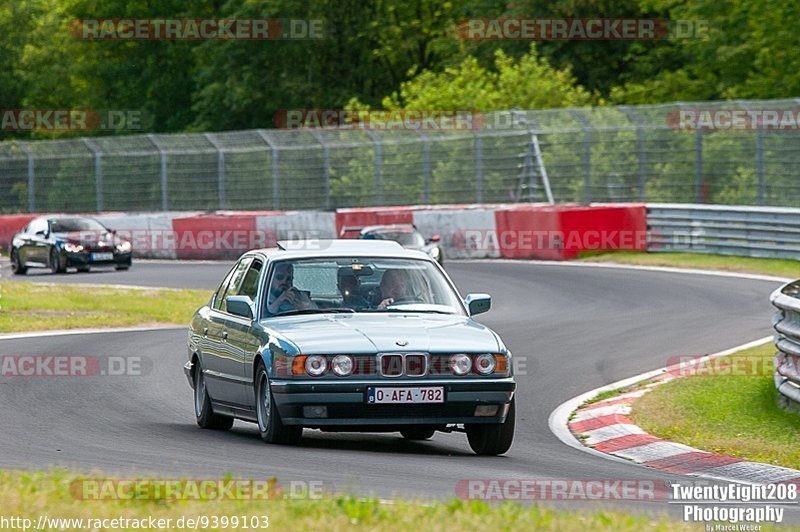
326	167
31	176
426	166
698	166
478	167
276	182
221	184
759	158
378	166
164	190
634	117
587	155
98	170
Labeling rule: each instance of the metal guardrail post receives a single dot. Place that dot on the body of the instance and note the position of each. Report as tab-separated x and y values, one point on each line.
164	189
326	168
634	117
221	184
378	166
587	155
276	182
31	176
98	170
426	166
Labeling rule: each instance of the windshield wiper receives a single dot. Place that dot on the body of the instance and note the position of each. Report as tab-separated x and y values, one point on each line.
333	310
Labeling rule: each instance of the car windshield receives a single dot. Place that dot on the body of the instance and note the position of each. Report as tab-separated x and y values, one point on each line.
359	284
73	225
404	237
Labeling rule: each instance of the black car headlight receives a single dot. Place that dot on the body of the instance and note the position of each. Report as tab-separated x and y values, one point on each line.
69	247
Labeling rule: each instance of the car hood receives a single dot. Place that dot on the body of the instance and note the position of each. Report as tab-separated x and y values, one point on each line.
377	333
90	238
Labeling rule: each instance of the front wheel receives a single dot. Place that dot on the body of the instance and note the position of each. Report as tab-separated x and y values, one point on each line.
270	426
492	439
57	265
16	264
204	413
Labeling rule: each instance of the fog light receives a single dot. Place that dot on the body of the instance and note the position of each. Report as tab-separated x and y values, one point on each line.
485	410
315	411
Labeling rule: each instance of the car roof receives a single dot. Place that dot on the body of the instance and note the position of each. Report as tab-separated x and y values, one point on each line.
300	249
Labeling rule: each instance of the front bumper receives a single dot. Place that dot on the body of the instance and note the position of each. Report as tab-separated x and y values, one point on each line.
346	403
84	258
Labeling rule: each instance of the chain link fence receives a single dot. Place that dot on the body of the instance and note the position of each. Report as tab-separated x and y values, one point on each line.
601	154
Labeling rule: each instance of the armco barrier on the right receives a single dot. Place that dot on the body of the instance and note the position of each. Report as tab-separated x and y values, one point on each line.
787	339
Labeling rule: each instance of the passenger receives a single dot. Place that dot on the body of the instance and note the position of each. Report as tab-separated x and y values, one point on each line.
283	296
350	288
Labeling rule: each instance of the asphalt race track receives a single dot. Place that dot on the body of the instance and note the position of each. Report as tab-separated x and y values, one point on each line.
574	328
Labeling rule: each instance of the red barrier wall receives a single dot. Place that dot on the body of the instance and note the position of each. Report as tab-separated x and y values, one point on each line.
217	237
561	232
374	216
10	224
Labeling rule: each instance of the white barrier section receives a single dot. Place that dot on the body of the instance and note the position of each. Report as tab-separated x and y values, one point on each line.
298	225
458	228
151	234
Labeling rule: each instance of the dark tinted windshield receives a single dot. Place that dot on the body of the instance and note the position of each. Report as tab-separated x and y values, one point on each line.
71	225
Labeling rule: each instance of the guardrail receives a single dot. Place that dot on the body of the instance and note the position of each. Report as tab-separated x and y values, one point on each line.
769	232
786	322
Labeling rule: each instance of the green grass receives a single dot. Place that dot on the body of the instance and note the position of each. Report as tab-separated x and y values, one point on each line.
29	495
778	267
734	415
26	306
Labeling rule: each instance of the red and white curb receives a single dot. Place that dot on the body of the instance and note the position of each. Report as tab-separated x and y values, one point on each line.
605	428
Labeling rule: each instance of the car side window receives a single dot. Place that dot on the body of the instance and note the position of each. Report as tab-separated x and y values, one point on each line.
235	282
36	226
249	286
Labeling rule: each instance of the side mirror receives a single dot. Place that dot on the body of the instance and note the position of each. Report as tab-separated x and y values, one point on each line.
434	238
478	303
239	306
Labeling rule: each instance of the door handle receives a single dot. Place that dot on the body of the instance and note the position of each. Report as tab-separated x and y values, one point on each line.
205	331
224	335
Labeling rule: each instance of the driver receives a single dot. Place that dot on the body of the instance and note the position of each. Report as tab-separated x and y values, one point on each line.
283	296
395	286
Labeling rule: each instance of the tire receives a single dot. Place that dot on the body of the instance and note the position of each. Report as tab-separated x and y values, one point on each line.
56	264
203	412
270	427
16	265
492	439
417	433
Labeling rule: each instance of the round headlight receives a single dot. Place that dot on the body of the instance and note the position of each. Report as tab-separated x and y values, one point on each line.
342	365
485	364
460	364
316	365
124	246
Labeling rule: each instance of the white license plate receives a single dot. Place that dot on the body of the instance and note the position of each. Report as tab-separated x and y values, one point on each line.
415	395
97	257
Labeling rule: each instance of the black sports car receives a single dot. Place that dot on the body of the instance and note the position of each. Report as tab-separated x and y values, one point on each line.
59	243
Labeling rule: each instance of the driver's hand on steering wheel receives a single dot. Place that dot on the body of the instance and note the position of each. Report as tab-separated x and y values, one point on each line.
385	303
